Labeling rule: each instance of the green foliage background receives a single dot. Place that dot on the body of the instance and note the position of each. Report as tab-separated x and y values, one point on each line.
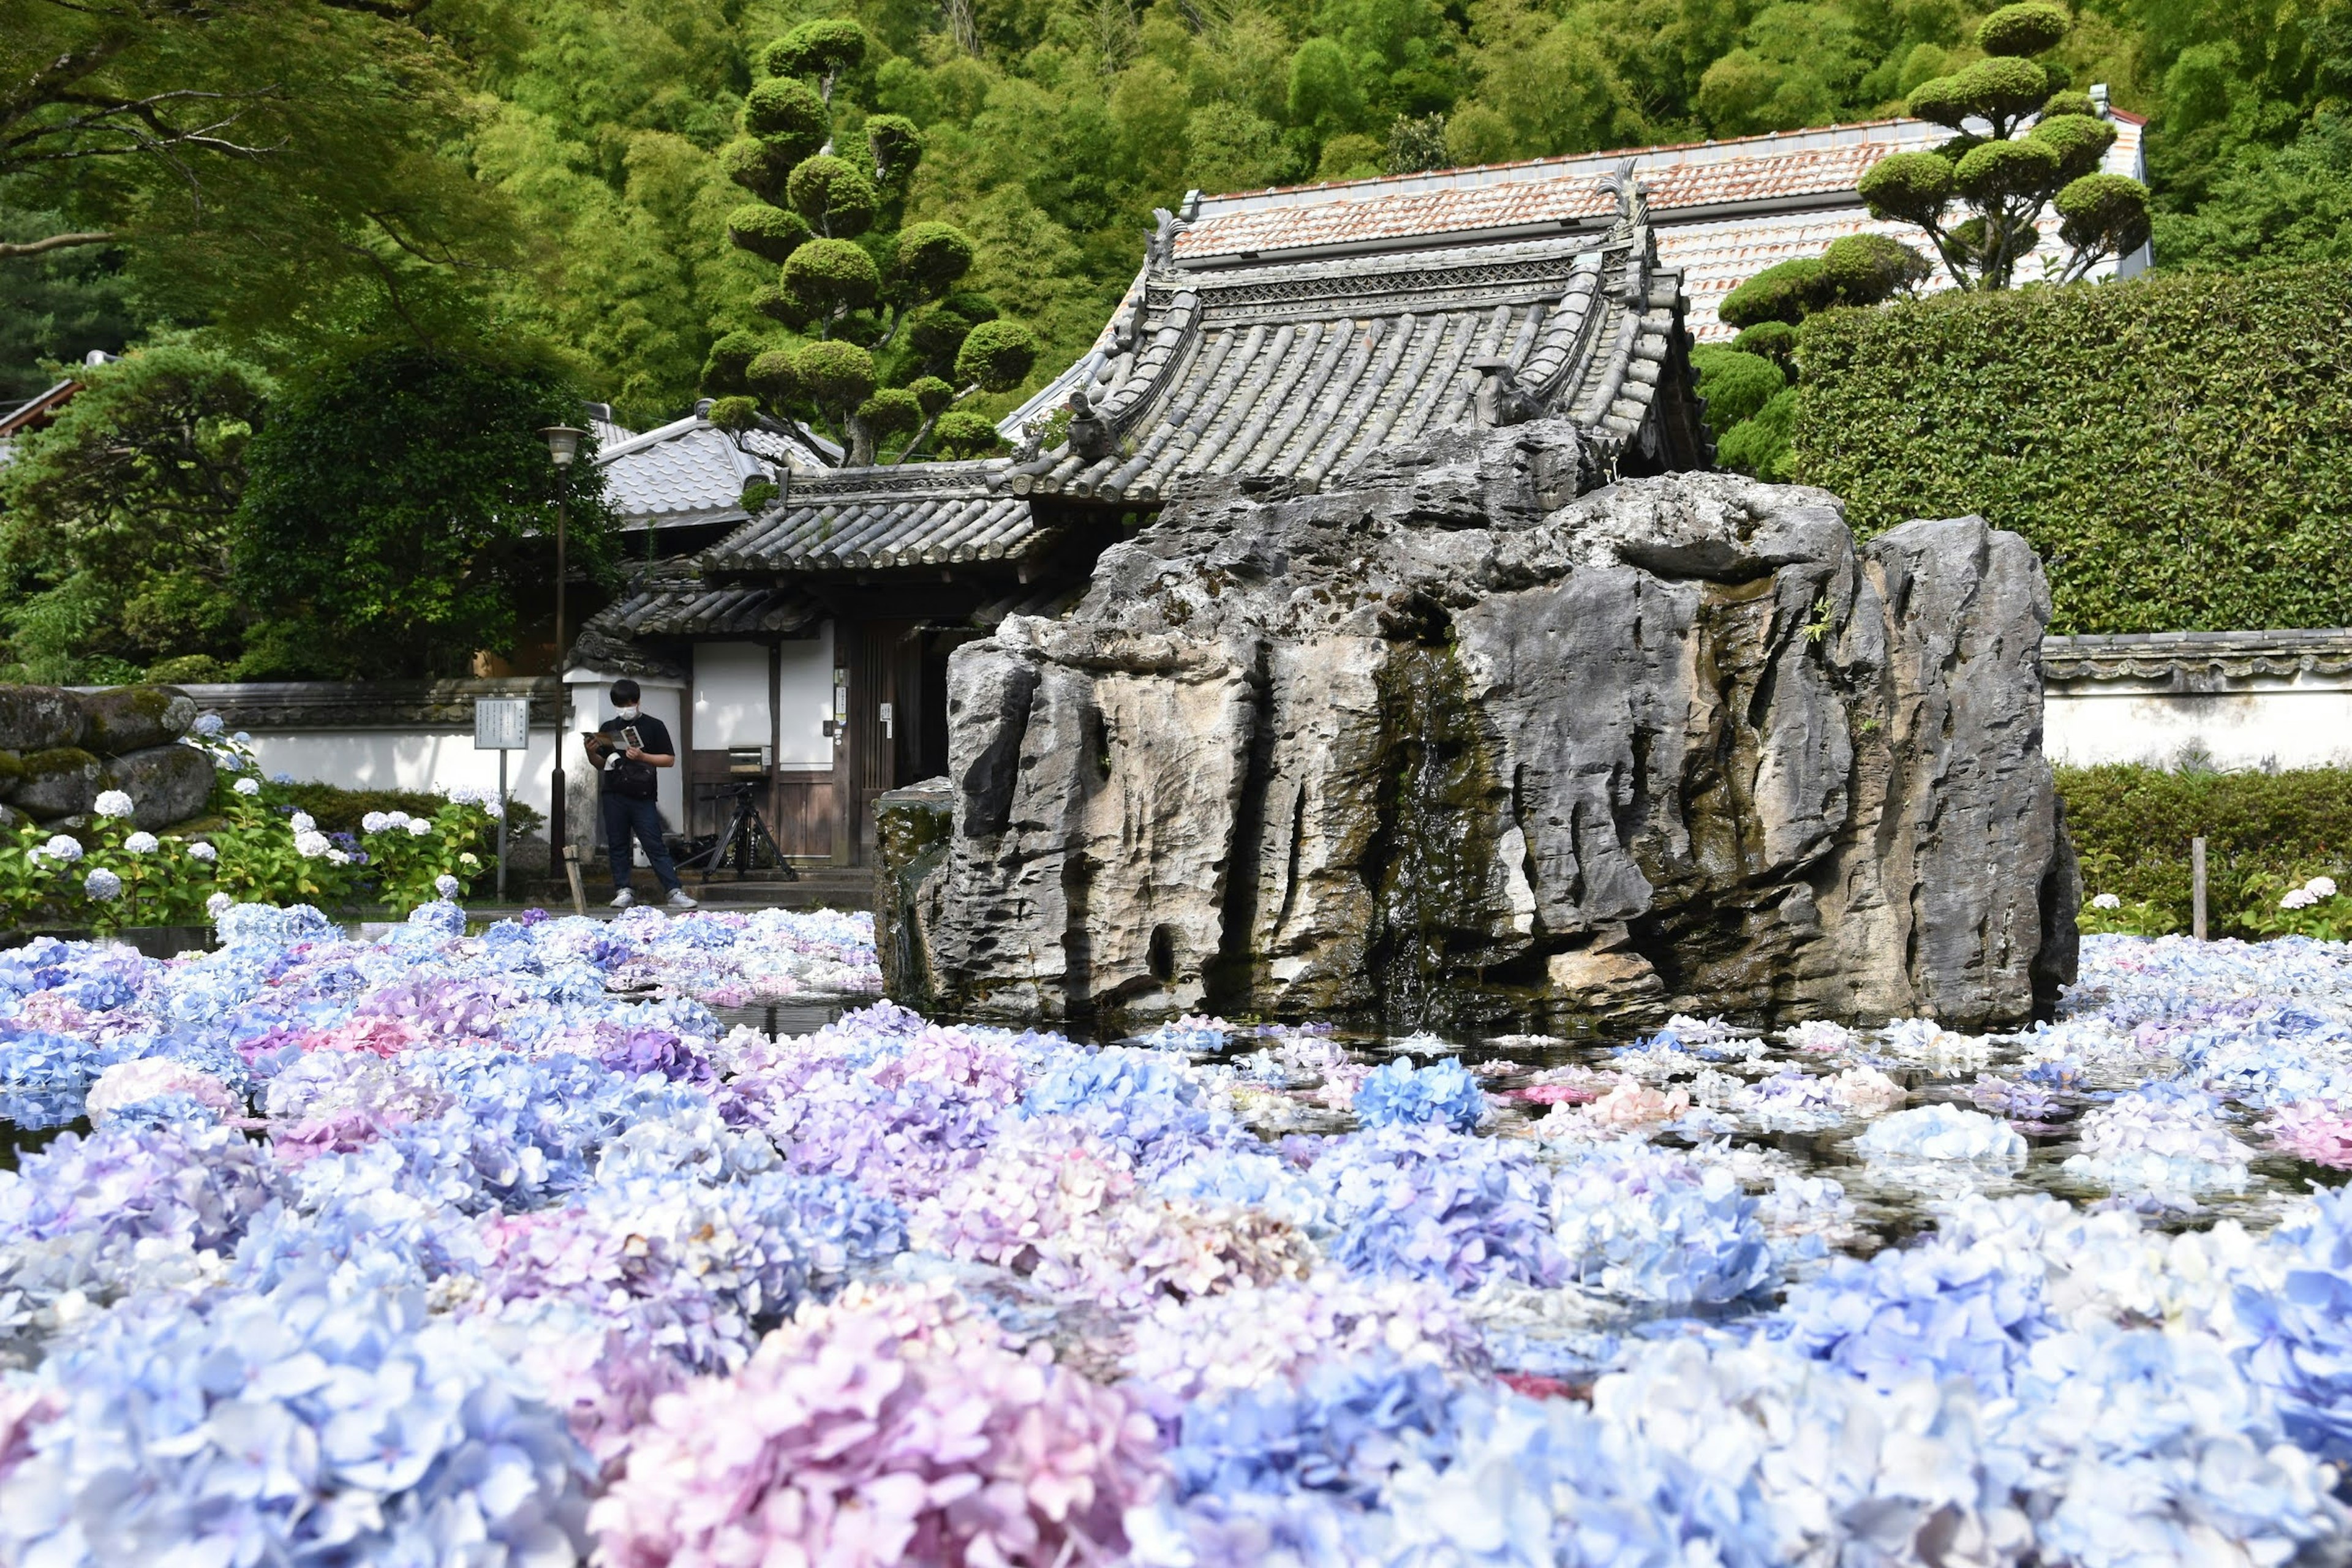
2179	449
2131	825
538	181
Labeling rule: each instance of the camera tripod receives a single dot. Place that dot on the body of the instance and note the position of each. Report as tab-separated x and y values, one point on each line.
746	834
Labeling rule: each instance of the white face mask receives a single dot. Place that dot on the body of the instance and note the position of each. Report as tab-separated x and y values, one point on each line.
628	712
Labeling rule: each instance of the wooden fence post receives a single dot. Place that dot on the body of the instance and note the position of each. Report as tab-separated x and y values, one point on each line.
2196	888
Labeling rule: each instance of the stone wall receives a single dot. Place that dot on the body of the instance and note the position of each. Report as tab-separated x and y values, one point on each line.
1446	743
60	749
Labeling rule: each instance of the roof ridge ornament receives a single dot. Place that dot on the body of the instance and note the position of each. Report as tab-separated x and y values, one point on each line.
1633	198
1161	250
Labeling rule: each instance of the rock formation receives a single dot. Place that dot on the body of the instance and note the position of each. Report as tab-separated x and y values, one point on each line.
60	749
1450	743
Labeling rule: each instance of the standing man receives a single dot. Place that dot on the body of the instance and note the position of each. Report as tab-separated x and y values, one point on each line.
625	750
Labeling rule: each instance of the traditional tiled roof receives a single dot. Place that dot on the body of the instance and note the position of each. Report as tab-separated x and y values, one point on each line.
1297	368
2196	660
917	514
689	470
672	599
1721	210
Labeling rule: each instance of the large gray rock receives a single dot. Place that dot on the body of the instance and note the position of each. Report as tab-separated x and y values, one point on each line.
39	718
125	718
166	784
1436	745
61	781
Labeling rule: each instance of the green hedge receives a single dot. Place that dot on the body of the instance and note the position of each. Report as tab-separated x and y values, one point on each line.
339	810
2179	449
2131	825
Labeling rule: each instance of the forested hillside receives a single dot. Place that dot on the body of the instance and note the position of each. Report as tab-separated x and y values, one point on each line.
588	132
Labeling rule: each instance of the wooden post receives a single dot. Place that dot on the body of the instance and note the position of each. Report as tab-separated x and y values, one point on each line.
571	870
2196	888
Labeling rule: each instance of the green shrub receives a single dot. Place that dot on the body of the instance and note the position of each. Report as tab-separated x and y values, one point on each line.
2178	448
2264	833
1759	446
1735	385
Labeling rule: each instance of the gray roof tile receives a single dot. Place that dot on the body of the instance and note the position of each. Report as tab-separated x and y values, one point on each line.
857	519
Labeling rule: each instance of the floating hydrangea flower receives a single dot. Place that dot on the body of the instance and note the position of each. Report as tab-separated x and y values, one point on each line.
1942	1132
1819	1037
301	1424
2106	901
112	803
446	886
1648	1224
219	904
896	1428
150	1078
1441	1092
2315	1130
1935	1310
2300	1333
2160	1142
1425	1203
1252	1336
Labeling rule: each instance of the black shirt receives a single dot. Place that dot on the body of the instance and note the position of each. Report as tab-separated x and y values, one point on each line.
634	779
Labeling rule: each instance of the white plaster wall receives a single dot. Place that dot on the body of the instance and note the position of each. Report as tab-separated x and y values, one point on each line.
805	701
405	759
731	696
2269	725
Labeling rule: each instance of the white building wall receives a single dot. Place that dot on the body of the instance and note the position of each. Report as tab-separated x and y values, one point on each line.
410	760
2270	724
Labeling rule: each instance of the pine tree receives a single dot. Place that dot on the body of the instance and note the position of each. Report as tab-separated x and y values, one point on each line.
878	325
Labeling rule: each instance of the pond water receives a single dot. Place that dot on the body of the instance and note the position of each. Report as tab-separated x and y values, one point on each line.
641	1189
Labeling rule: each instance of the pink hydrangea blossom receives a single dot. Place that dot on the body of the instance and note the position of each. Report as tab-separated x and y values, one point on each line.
151	1078
894	1426
2317	1130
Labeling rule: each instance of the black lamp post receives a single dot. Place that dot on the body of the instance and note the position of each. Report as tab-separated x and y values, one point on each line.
563	446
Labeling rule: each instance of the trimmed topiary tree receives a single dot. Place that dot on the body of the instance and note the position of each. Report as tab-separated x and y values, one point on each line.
2022	143
875	321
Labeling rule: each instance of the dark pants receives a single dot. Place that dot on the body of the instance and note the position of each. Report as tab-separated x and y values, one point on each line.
624	817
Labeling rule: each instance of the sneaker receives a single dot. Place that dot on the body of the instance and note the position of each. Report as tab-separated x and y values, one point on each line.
624	898
680	899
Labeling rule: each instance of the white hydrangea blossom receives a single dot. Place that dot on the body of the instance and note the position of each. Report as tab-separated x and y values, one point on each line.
301	822
143	843
112	802
418	827
206	853
247	786
61	847
374	822
2106	901
446	886
218	905
312	846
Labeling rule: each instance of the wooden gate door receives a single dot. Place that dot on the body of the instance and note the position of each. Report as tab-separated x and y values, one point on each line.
874	653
